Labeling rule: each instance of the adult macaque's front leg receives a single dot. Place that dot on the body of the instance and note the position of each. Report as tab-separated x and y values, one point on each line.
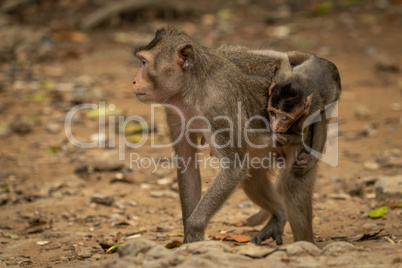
188	174
223	185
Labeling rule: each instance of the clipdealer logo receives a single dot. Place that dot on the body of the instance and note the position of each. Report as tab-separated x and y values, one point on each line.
236	130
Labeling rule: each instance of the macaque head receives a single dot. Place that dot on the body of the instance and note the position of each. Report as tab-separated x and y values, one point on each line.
286	105
165	64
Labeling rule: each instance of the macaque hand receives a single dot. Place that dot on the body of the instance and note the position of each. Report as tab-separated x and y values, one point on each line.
303	163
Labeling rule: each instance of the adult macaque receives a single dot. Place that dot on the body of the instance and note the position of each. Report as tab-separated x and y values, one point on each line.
217	92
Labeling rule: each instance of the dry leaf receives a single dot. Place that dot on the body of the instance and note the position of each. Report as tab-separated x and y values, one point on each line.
174	244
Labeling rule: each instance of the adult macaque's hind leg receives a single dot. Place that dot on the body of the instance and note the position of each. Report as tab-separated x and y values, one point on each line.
261	191
297	191
259	218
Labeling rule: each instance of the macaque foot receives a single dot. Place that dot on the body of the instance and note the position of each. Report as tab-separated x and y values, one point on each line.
274	229
193	237
194	231
303	163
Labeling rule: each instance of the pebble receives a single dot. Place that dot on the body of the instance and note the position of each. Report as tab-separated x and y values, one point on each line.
165	193
337	248
82	252
389	188
387	64
42	243
362	113
369	180
302	248
138	246
335	179
21	127
353	187
98	137
253	251
339	196
141	252
107	161
96	257
164	181
102	199
53	128
371	165
203	247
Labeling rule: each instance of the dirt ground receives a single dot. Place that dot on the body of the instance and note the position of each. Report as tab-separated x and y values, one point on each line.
57	209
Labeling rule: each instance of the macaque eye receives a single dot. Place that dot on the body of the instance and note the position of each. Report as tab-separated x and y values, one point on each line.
284	118
272	113
144	62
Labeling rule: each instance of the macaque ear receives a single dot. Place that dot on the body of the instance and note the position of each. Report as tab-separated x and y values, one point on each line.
186	56
308	103
270	88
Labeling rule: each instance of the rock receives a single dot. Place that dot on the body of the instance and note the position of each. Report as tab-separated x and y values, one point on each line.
200	261
102	199
202	247
148	253
82	252
370	228
335	179
339	196
21	127
4	198
302	248
281	32
389	188
53	128
227	259
164	181
369	180
387	64
137	246
253	251
337	248
166	193
353	188
120	177
98	137
362	113
393	163
370	130
309	264
279	257
371	165
107	161
42	243
96	257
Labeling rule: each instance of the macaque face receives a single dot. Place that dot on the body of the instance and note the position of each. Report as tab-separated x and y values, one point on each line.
280	121
156	81
143	87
